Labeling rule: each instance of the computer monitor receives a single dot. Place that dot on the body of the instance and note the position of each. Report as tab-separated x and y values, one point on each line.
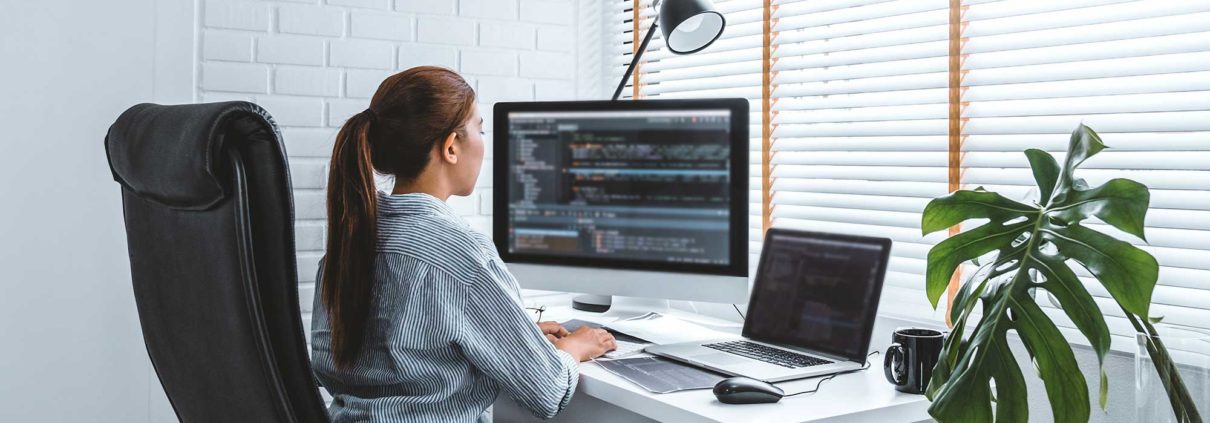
644	198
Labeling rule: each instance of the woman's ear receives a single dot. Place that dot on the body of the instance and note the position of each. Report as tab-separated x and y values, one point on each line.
449	149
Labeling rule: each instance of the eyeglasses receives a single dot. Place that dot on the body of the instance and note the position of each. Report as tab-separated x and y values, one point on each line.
538	311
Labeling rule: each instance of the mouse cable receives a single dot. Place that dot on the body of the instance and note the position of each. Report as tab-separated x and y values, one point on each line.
741	314
821	381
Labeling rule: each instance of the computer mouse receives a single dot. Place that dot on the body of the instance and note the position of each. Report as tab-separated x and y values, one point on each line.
744	390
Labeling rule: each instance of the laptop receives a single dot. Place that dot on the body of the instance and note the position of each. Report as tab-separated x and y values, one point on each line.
812	309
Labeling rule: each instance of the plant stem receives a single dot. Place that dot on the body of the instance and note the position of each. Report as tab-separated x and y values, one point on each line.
1183	407
1189	407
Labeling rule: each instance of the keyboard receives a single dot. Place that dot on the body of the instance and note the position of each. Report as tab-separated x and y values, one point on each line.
767	354
625	349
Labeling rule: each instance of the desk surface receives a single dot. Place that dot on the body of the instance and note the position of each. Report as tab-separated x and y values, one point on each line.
858	397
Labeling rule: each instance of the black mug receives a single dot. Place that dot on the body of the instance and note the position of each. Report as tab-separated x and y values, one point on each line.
910	359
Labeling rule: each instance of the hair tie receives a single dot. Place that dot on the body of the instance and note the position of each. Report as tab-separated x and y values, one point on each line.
370	113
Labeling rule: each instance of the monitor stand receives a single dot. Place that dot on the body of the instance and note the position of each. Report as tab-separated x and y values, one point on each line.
592	303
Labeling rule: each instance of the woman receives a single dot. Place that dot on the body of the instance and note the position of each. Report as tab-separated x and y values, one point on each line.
417	319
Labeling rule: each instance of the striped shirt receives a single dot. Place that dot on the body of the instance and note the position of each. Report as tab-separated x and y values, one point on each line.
447	330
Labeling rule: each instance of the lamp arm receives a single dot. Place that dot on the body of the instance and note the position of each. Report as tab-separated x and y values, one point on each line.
634	61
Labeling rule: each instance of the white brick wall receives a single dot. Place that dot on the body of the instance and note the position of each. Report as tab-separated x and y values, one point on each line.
310	20
313	63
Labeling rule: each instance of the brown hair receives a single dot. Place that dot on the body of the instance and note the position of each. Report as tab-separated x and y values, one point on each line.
410	114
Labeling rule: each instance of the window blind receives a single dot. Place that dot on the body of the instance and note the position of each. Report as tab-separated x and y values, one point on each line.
860	127
860	118
1138	72
730	67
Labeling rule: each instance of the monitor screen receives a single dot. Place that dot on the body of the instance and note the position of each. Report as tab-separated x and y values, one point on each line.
818	291
619	187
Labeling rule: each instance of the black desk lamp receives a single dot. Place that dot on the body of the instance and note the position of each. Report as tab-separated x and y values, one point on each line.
688	27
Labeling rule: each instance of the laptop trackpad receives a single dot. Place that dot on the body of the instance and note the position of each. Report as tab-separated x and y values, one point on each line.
721	359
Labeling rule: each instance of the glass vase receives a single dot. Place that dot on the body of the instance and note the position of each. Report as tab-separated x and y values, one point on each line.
1188	350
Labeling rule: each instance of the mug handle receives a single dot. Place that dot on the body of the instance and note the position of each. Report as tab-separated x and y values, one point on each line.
894	355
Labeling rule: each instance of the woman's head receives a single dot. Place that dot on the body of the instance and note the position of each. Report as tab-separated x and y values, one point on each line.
415	118
423	128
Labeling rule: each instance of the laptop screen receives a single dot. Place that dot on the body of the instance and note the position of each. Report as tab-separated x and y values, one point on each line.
818	291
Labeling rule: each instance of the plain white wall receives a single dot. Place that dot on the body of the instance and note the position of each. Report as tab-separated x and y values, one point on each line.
70	345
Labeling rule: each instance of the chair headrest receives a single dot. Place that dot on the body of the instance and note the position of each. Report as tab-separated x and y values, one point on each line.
174	155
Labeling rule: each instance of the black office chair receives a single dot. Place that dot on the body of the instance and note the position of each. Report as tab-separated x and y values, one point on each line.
210	228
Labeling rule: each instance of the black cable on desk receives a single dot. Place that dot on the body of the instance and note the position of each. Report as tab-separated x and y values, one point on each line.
830	377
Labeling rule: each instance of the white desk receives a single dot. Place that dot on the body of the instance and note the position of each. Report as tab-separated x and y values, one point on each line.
858	397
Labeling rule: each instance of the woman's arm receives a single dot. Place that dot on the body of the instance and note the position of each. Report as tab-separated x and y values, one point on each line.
499	338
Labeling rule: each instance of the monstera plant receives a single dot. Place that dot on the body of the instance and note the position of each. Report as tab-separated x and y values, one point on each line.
1022	250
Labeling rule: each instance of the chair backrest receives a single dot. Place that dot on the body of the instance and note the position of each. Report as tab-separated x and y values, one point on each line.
210	228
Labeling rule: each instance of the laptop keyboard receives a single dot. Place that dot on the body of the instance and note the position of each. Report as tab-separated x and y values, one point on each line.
767	354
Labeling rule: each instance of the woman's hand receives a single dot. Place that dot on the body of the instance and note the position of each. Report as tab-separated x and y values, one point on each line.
553	330
586	343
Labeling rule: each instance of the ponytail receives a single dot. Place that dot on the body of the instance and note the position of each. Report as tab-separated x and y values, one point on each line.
348	271
411	112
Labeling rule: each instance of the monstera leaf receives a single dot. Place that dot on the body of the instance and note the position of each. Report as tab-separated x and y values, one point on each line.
1027	248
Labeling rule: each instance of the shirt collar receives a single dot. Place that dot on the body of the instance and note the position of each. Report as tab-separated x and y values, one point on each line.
413	204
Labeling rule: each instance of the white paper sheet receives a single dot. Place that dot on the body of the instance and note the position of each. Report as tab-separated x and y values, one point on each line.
661	329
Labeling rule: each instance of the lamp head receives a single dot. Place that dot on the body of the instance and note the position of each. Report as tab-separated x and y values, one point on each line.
689	26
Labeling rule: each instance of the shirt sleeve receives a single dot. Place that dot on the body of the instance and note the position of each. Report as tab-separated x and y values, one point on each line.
502	341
